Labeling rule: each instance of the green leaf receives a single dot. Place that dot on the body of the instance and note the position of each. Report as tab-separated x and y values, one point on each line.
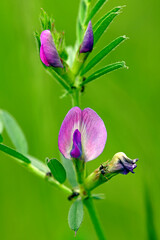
14	132
75	215
1	138
114	10
99	196
57	170
103	26
71	176
107	69
14	153
103	54
95	9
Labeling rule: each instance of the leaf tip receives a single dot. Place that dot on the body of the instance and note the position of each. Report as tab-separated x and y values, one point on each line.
124	65
125	37
121	7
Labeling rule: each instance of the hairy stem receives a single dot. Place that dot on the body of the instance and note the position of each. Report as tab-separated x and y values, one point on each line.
97	226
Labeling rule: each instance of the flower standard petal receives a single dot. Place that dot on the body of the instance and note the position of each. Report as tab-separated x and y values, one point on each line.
93	134
70	124
87	44
48	52
82	134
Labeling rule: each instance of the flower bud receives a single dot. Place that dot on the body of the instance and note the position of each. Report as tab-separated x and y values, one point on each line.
120	163
48	52
87	44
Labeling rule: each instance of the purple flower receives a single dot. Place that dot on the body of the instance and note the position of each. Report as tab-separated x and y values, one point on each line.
122	164
48	52
82	135
87	44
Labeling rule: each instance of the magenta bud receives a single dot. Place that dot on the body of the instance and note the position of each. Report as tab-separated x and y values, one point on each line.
48	52
87	44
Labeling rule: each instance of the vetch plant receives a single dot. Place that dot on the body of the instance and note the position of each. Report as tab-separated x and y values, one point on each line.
82	136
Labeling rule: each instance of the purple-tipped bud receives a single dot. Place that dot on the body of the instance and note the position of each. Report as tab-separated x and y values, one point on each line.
87	44
48	52
120	163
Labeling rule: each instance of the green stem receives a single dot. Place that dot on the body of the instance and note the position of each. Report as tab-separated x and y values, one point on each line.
75	98
80	169
97	226
88	202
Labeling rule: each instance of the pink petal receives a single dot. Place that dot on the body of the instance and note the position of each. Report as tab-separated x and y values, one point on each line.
43	57
93	133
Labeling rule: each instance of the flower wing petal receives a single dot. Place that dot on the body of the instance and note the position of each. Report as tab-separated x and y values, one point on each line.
71	122
93	134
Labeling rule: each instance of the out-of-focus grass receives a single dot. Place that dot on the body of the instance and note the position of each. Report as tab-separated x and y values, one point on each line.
151	231
127	101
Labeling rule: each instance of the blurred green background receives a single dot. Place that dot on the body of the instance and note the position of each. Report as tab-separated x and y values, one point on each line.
127	101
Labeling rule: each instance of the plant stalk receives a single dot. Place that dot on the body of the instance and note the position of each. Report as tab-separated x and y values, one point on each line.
75	98
93	215
88	202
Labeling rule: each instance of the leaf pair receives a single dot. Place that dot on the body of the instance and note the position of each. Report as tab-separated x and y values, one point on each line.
99	28
102	71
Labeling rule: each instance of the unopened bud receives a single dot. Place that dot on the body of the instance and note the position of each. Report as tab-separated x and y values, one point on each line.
120	163
87	44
